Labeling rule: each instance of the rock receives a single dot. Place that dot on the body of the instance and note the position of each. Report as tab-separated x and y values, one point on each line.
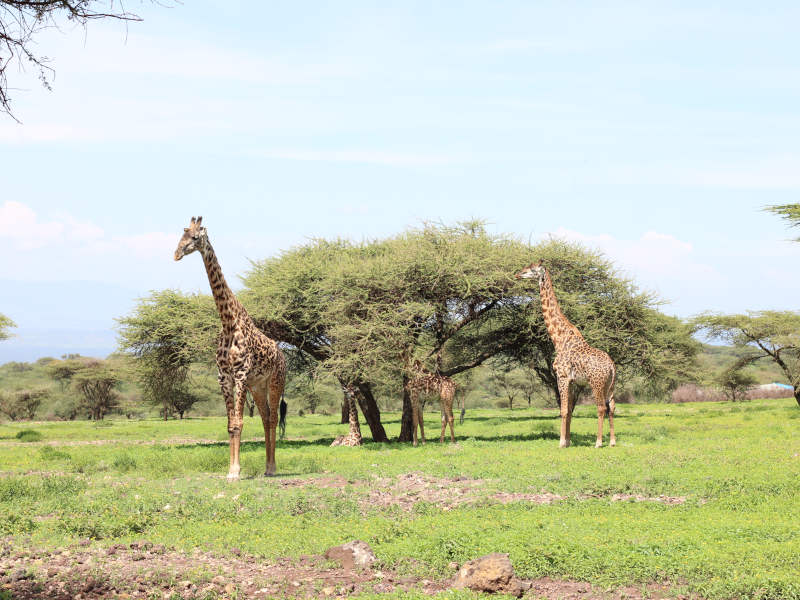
236	551
218	580
453	566
352	554
328	591
230	589
21	575
492	573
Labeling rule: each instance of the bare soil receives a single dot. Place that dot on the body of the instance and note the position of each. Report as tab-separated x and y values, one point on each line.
145	570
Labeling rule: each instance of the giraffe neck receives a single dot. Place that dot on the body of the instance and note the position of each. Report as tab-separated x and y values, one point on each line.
558	326
223	296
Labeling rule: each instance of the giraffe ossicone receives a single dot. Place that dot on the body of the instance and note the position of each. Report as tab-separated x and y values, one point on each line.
575	360
246	358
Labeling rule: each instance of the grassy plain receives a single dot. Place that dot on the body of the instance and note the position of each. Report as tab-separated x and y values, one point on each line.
703	497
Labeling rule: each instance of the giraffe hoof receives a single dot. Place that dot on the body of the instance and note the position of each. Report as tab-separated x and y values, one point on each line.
233	477
598	444
612	443
563	444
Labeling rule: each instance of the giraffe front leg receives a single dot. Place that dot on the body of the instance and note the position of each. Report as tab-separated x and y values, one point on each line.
227	386
271	437
235	424
564	396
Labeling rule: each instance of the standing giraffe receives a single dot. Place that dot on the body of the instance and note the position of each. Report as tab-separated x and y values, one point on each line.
575	360
246	358
430	383
353	438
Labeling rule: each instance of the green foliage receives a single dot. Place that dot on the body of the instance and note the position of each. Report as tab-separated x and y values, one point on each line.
5	325
28	435
447	296
789	212
166	333
96	381
734	382
22	404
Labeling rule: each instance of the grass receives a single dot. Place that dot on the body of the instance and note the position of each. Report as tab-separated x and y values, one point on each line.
736	466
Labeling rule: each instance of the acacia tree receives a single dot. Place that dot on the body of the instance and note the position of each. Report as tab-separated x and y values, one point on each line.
166	333
22	20
5	325
446	296
734	381
97	382
764	334
22	404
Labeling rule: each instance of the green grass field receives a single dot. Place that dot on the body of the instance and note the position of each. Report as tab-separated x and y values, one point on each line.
731	528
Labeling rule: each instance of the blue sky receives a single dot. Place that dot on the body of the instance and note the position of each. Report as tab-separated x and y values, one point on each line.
655	131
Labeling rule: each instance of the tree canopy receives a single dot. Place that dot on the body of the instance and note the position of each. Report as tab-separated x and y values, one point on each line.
167	332
765	334
5	325
446	296
789	212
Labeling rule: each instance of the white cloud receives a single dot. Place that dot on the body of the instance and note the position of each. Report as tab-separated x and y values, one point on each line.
656	260
20	225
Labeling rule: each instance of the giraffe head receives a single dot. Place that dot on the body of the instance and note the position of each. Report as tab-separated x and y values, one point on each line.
194	238
533	270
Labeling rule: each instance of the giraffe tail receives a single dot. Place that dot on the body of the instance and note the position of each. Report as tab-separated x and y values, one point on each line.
282	417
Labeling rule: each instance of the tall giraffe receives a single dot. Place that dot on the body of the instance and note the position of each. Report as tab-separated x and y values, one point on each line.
353	438
246	358
575	360
423	382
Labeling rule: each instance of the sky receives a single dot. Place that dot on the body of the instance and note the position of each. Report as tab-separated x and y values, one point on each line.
654	131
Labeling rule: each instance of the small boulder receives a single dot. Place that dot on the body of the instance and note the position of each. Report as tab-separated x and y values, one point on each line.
352	554
492	573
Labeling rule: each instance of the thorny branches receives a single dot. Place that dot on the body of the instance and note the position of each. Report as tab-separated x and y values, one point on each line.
22	20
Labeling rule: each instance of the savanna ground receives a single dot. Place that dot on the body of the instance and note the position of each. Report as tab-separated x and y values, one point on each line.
697	500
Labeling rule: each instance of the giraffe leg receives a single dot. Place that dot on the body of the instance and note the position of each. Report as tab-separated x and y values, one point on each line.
235	424
448	405
260	400
227	387
600	397
563	392
444	420
611	406
275	392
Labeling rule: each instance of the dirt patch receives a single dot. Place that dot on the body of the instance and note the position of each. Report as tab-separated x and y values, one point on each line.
671	500
146	570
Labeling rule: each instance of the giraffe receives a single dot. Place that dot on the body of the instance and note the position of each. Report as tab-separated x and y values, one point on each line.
354	437
246	358
431	383
575	360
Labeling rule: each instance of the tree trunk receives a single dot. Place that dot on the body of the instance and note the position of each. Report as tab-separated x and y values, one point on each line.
371	412
181	414
797	394
406	421
345	411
